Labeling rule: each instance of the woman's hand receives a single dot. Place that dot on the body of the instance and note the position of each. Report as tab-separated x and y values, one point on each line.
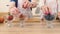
46	9
14	11
28	4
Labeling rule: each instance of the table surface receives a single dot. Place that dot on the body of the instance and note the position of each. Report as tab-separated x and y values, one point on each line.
29	28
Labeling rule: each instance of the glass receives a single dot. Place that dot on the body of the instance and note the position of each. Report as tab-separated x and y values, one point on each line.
22	19
9	20
49	20
53	9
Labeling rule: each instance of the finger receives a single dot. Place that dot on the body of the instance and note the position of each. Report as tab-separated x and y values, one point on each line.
29	4
25	4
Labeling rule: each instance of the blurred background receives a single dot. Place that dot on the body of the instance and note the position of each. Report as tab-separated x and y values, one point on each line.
32	26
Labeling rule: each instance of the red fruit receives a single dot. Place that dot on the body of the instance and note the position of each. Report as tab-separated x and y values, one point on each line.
21	16
1	19
10	17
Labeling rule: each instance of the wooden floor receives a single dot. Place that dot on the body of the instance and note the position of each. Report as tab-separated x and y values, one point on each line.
30	28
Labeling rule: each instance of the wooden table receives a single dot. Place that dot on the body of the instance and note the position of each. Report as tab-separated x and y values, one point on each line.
29	28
